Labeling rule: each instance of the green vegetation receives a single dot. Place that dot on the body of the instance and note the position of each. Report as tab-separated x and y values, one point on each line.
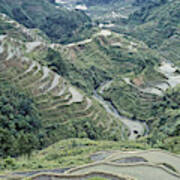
156	24
124	57
55	61
65	112
60	25
20	121
157	21
69	153
46	90
161	113
106	58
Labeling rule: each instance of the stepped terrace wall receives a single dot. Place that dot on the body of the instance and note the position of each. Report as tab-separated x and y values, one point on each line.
109	176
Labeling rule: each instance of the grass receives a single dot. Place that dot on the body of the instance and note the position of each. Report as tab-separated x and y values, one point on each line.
60	120
87	67
70	153
99	60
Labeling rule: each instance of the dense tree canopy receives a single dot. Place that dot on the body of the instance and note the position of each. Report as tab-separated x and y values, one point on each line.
19	121
60	25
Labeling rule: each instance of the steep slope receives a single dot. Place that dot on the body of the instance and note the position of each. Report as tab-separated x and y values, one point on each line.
109	84
105	56
157	24
158	21
65	111
59	24
102	10
154	22
142	81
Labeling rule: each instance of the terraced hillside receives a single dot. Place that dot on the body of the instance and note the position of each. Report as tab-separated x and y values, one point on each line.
117	94
113	164
65	110
154	102
58	102
88	64
134	163
125	60
156	24
106	56
87	71
150	92
142	81
113	57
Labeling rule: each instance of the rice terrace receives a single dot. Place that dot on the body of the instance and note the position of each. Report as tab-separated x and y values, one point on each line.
90	90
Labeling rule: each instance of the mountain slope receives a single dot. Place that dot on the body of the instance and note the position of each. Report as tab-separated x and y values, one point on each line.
105	159
64	110
109	86
139	82
59	24
157	22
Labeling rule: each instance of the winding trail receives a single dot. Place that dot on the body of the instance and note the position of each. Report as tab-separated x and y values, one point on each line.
103	32
135	127
79	43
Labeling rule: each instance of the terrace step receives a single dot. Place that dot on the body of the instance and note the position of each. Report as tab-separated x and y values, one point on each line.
54	83
149	170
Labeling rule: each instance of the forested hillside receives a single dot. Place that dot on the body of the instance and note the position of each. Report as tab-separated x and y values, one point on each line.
20	121
41	106
59	24
85	81
156	22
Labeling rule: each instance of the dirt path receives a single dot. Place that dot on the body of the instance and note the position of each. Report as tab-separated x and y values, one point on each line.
33	64
103	32
79	43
